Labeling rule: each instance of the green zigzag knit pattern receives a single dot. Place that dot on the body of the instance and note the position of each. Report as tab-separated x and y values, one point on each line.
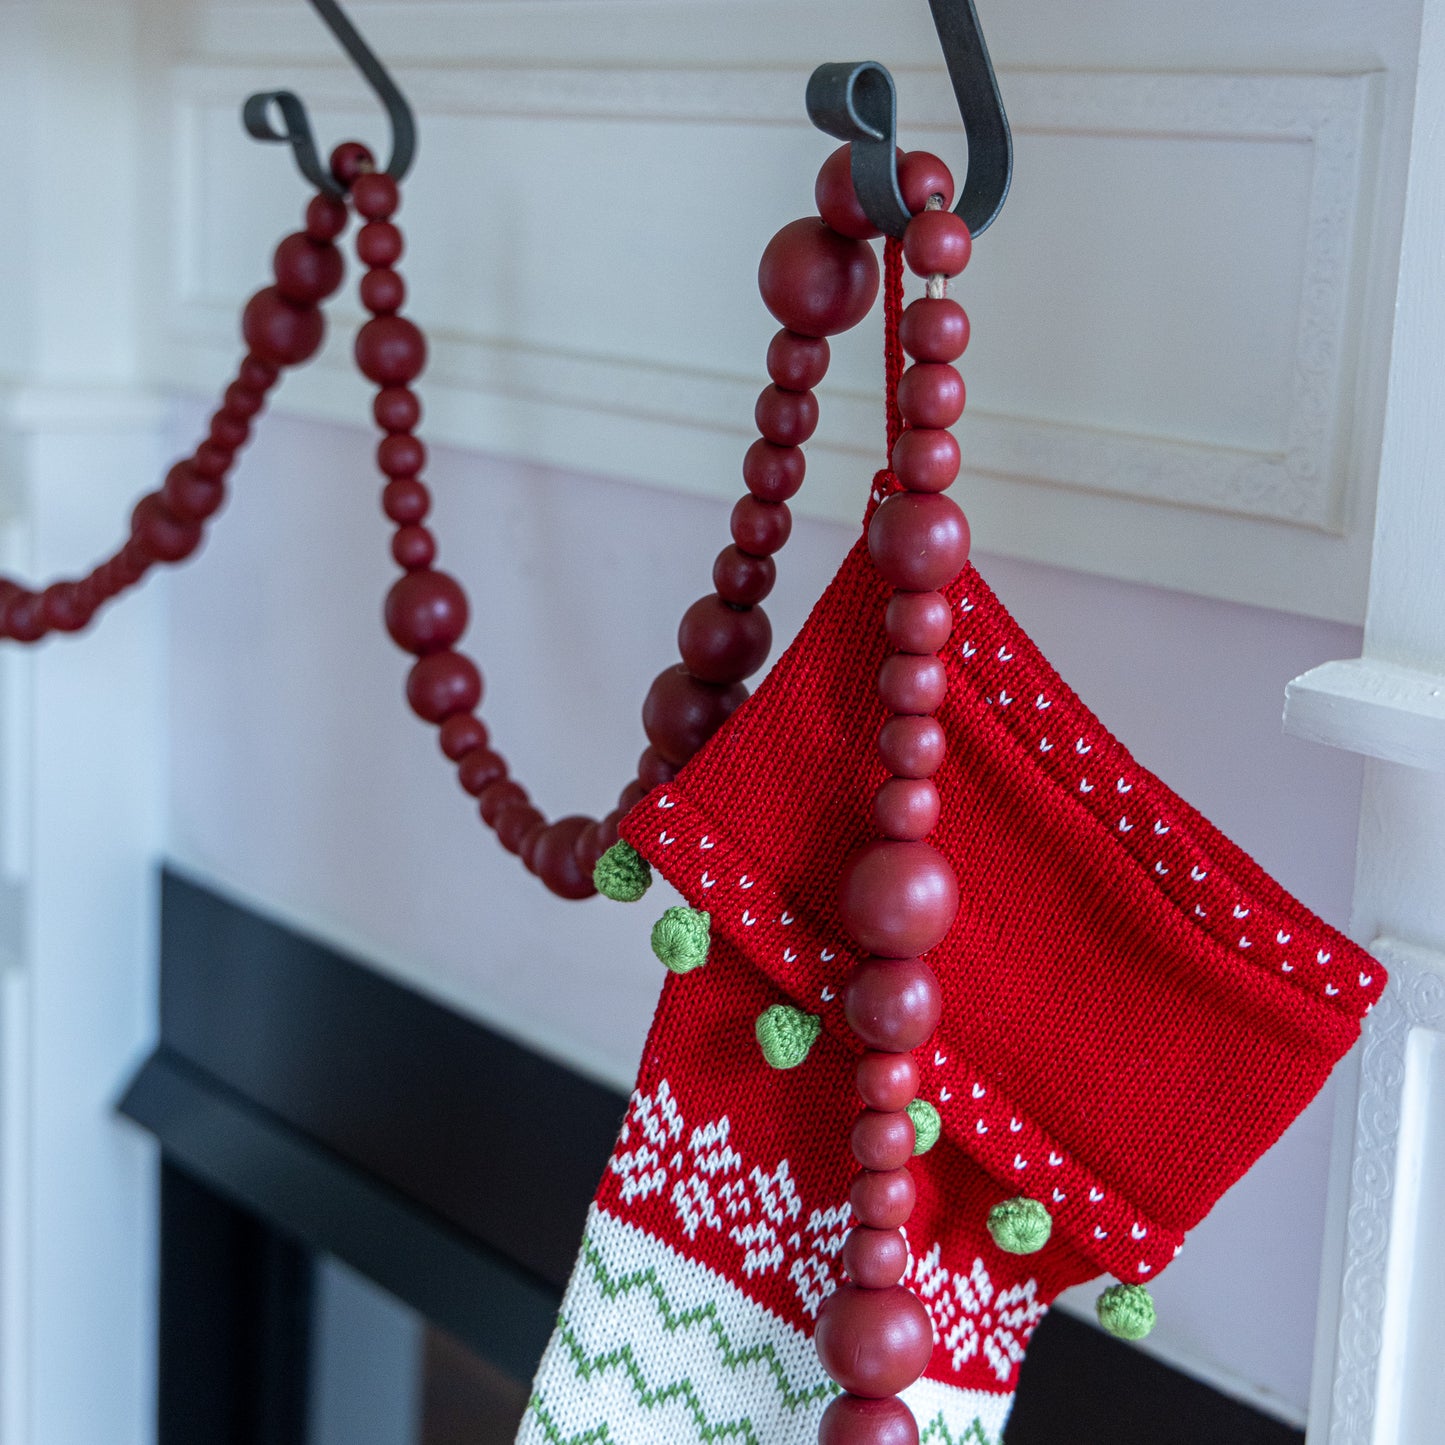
936	1432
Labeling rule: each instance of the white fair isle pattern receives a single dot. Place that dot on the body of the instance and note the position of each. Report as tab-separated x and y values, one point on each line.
654	1349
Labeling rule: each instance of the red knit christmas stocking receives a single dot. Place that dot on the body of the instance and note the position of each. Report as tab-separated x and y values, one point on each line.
1133	1012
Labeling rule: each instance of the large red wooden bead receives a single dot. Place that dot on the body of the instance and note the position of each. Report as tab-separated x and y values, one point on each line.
886	1081
893	1004
875	1258
921	177
797	362
351	160
934	328
491	801
400	455
162	534
405	500
653	770
931	394
912	685
414	548
326	217
761	528
376	196
479	769
383	292
426	612
66	606
926	459
882	1199
882	1140
307	271
773	473
554	859
724	644
515	823
918	541
912	747
937	243
281	331
874	1342
461	734
681	713
852	1420
390	350
741	578
189	496
378	244
787	418
898	899
906	808
838	202
920	622
815	281
396	409
442	683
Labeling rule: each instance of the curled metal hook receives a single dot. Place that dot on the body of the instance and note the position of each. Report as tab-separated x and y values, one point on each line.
858	102
295	129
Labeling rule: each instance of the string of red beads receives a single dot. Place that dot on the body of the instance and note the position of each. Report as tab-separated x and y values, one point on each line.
818	282
898	894
282	326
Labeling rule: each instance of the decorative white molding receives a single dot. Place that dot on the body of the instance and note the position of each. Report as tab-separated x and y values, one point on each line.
1369	706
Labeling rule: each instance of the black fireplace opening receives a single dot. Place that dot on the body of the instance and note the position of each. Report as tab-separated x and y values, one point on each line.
365	1235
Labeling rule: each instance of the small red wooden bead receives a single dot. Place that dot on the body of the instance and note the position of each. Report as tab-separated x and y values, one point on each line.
460	734
189	496
163	535
875	1258
401	455
479	769
396	408
589	847
326	218
607	829
491	801
280	331
931	394
919	622
912	747
631	796
405	500
926	459
442	683
934	328
741	578
886	1081
383	292
787	418
531	842
212	460
229	431
882	1140
761	528
681	713
350	160
773	473
815	281
426	612
257	374
893	1004
912	685
918	541
66	607
390	350
653	770
723	644
921	176
898	899
414	548
852	1420
937	243
797	362
882	1200
242	401
554	859
906	808
515	823
376	196
379	244
838	202
25	618
307	271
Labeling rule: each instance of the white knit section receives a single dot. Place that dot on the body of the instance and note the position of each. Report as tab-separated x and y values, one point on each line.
653	1349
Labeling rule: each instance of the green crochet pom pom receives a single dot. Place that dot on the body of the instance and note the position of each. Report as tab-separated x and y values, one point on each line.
786	1034
927	1126
622	873
1126	1310
1020	1226
680	938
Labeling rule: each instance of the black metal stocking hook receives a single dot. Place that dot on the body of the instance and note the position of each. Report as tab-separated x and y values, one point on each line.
296	130
858	102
